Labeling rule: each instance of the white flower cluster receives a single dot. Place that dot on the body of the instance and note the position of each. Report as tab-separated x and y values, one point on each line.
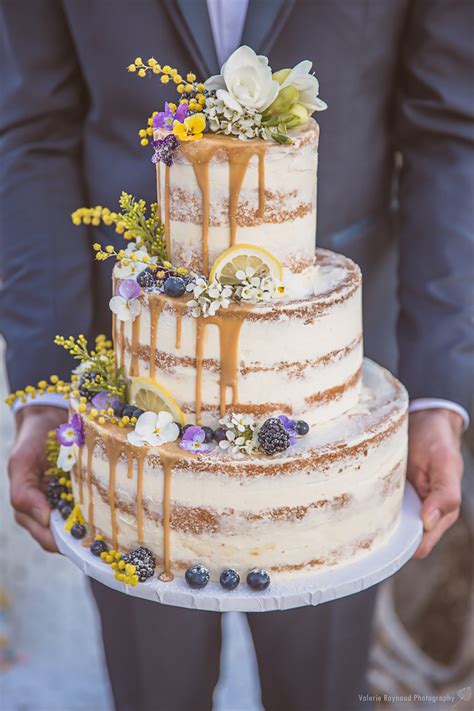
242	123
241	435
208	298
256	290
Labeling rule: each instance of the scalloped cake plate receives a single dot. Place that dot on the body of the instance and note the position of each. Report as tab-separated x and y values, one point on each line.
312	590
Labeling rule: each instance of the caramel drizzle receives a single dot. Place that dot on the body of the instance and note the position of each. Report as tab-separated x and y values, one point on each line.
113	450
229	331
79	476
168	459
122	342
155	306
90	444
167	213
134	346
129	466
179	329
140	462
200	153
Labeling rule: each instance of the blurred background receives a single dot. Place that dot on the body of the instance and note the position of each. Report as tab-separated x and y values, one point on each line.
51	657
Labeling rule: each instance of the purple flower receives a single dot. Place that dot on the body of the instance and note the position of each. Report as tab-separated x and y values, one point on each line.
104	400
71	432
165	119
165	149
128	289
289	426
193	440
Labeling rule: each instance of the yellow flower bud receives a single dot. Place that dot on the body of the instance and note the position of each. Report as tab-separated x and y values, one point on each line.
152	62
132	68
190	77
142	73
164	78
144	142
138	62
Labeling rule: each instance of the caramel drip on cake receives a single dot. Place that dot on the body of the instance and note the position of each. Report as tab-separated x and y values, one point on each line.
90	444
168	458
179	328
155	306
122	343
113	450
239	153
79	476
167	213
140	462
134	346
229	330
129	466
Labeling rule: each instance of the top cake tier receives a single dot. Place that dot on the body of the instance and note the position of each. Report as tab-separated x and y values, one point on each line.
221	191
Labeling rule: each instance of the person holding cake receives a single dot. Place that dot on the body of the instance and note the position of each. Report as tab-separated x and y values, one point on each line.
231	431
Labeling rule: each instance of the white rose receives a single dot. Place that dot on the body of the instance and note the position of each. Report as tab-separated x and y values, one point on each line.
306	83
245	81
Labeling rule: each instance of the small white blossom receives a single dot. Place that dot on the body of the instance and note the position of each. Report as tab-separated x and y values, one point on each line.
67	457
241	434
208	298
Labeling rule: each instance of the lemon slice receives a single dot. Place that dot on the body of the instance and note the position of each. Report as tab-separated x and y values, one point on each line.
150	396
241	256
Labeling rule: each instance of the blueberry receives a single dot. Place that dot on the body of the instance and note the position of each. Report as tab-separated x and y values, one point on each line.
258	579
65	510
220	434
128	410
98	547
78	531
146	279
174	286
197	577
209	434
137	412
229	579
119	407
301	427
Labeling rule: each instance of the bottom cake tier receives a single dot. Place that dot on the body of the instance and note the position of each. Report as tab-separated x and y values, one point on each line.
333	496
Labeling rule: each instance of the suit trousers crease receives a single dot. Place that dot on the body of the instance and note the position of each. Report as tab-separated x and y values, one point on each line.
163	658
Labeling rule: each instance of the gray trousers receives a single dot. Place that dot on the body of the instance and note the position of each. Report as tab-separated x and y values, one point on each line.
163	658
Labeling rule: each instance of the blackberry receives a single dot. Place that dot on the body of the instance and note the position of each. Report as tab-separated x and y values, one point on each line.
85	384
258	580
146	279
97	547
144	561
273	436
197	577
65	510
54	491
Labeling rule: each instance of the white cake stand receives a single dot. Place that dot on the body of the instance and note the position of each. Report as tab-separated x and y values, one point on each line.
311	590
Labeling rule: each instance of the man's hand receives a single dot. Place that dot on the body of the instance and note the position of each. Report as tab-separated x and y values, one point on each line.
26	469
435	468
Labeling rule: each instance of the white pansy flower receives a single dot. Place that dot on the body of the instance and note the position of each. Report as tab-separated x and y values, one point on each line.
245	82
67	457
306	84
125	305
154	429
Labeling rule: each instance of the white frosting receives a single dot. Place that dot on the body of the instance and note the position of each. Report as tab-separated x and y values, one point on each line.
362	489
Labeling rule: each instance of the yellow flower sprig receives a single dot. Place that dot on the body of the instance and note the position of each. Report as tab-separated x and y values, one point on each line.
132	222
125	572
184	85
55	385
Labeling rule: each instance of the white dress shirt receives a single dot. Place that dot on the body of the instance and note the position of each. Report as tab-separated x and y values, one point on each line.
227	18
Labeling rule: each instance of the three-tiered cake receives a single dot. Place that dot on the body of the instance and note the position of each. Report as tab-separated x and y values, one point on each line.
250	434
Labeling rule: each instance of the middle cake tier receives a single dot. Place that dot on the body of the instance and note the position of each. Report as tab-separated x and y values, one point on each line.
301	356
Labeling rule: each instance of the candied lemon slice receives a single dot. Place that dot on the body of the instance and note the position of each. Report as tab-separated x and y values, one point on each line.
150	396
240	257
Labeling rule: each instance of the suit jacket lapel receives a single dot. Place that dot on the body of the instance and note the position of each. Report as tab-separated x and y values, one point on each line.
191	19
264	22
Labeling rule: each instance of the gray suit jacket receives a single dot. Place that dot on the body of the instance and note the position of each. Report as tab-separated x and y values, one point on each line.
397	76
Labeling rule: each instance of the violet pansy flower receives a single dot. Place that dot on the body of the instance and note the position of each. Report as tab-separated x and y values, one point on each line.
125	304
71	432
289	426
193	440
165	119
165	149
104	400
